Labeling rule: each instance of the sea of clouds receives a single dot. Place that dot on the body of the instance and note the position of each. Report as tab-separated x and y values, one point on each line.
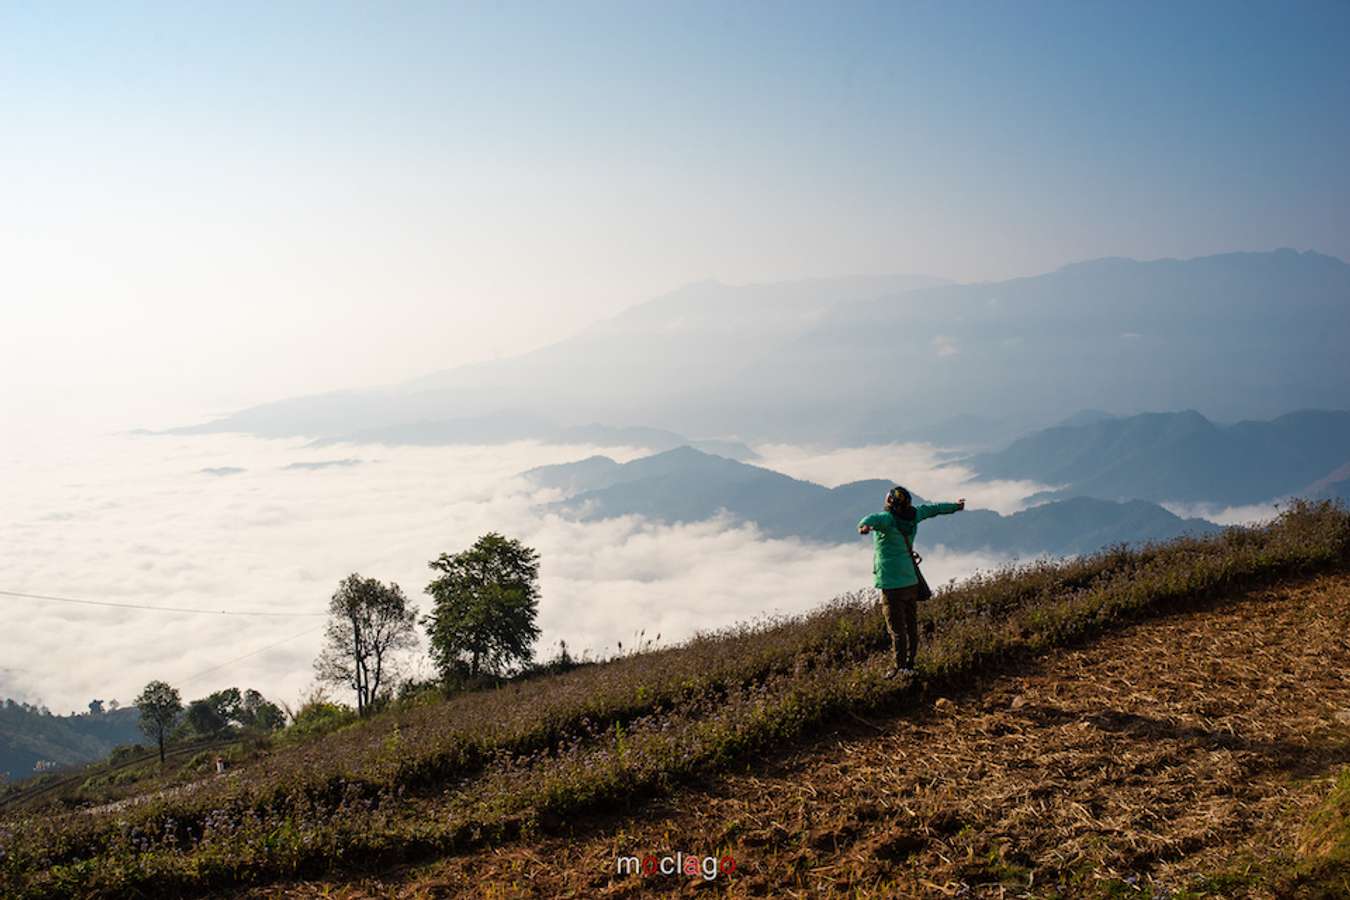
1220	514
227	522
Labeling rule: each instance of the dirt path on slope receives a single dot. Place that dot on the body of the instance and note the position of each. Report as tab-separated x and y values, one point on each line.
1177	748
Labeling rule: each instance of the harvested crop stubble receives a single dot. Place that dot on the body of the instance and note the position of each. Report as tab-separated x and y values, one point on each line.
1182	747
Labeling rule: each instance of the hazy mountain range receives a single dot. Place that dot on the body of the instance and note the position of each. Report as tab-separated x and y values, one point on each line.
635	369
1183	457
685	485
502	428
859	360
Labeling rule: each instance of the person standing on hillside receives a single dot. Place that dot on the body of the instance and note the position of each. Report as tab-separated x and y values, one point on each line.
893	565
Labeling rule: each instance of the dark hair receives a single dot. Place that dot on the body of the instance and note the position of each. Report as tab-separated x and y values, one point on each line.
900	504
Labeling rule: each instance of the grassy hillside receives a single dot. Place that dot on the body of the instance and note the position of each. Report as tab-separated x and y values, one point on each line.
487	768
1118	767
1324	848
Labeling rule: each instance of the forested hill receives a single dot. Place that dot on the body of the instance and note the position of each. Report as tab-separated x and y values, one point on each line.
30	735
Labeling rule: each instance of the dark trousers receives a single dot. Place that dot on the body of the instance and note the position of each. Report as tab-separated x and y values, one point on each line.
900	606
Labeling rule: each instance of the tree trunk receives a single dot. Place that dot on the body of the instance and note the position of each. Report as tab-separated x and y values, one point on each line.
376	652
161	746
358	663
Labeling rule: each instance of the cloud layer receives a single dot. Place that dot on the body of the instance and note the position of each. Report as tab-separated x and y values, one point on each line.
142	520
1219	514
920	467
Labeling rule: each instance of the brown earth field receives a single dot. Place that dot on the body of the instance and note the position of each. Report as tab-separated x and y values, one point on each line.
1180	756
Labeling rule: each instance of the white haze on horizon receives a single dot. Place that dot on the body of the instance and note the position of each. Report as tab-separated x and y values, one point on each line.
139	519
1219	514
922	468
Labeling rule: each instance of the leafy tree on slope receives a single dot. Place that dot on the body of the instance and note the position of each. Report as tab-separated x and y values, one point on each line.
486	600
160	706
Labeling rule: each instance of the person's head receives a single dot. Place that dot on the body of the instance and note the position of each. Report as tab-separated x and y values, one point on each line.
897	498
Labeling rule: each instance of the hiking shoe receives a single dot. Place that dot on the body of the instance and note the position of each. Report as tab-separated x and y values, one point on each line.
906	672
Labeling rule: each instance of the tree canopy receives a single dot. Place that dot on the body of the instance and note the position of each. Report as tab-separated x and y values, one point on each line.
229	708
160	706
486	600
368	623
203	718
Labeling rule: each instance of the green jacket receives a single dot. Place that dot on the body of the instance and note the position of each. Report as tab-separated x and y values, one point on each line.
890	558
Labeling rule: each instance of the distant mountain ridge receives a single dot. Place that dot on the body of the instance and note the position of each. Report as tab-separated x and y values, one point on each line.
1178	456
635	367
505	428
684	485
1239	334
848	361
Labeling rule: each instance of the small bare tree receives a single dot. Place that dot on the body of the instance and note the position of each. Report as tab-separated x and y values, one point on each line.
368	624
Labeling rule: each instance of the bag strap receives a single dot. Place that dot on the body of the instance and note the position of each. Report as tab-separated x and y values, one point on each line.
910	544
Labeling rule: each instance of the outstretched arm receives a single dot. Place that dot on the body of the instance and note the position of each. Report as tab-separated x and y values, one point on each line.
928	510
870	522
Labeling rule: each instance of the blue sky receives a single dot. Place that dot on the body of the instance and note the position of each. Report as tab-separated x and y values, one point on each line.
360	193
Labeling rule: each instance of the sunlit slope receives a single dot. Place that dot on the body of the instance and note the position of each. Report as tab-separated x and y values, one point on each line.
483	769
1123	766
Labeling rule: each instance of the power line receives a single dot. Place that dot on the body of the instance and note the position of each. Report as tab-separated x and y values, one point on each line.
142	606
183	609
224	665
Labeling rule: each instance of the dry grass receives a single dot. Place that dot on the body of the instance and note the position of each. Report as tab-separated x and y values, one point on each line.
1145	763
